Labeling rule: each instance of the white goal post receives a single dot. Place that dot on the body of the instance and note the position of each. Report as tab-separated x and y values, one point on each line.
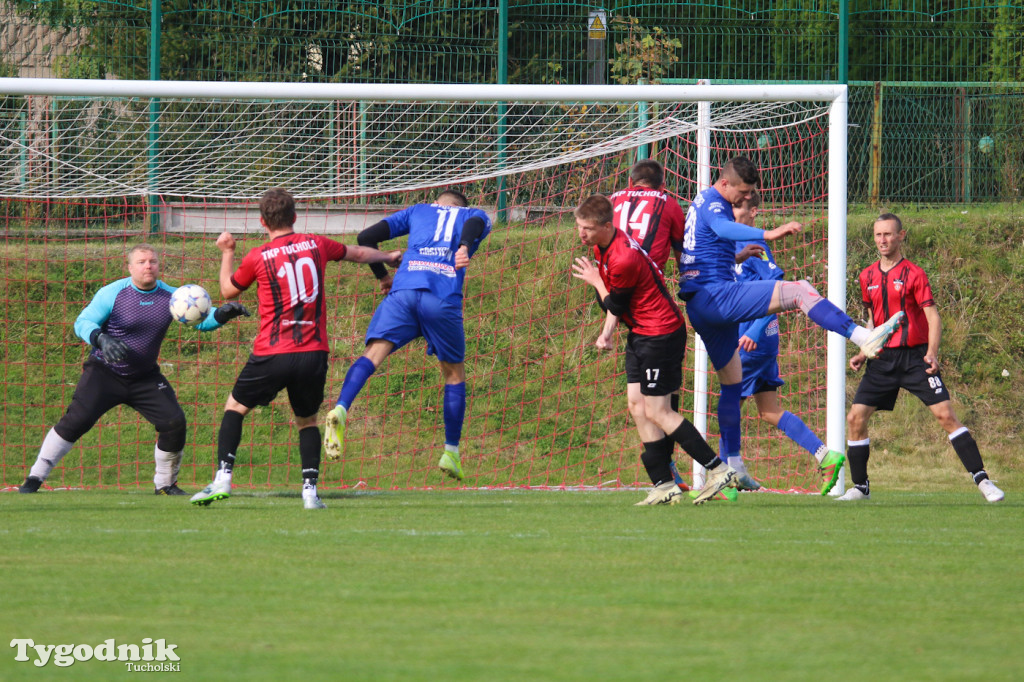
231	140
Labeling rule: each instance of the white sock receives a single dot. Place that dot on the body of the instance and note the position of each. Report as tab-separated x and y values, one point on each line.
51	452
821	453
222	477
167	466
454	449
736	462
860	335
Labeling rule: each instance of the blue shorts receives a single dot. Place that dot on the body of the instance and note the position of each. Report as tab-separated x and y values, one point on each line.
408	313
760	373
716	312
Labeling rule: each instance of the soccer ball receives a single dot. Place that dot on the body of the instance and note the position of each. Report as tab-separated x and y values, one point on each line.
986	145
190	304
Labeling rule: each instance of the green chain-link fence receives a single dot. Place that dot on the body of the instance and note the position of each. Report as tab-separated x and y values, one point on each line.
935	99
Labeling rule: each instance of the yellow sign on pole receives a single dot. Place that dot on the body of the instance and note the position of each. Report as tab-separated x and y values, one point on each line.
597	24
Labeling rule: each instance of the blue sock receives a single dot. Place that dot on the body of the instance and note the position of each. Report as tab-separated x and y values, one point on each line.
454	412
826	315
729	420
355	379
794	427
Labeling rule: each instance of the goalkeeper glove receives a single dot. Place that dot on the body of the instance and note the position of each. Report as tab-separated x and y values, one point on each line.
229	311
114	350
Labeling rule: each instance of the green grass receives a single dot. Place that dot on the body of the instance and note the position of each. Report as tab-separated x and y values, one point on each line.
521	586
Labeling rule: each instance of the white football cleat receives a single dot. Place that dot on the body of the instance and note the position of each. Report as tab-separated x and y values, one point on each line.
666	493
853	494
873	346
990	491
721	477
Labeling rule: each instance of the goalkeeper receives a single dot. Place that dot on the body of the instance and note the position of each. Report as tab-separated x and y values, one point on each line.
424	299
631	287
125	323
759	353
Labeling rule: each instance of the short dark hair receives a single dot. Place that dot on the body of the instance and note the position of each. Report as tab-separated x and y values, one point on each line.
753	201
595	208
743	168
459	196
891	216
277	208
648	173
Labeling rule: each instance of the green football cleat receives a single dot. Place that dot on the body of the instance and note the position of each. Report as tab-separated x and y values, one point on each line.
334	433
218	490
451	465
830	468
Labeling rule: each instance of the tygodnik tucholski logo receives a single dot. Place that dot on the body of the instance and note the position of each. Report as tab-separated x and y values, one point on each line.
149	656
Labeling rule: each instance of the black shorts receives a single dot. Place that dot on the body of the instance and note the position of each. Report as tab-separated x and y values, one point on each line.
99	390
656	362
898	368
303	374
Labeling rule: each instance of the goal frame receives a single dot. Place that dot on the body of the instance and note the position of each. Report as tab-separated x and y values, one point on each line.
703	93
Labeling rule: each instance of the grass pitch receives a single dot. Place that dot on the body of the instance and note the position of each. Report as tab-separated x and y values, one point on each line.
520	586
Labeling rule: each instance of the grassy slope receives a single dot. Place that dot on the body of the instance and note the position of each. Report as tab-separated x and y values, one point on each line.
514	586
529	318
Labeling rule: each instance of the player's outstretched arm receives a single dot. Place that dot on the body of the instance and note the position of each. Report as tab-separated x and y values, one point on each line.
781	231
366	254
749	251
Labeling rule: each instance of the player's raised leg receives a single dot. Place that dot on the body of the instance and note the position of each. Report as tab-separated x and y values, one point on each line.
825	314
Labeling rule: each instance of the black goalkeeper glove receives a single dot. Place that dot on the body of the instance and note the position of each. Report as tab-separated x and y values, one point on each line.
114	350
229	311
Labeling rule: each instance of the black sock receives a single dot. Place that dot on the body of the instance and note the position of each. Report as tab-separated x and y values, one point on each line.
693	444
674	404
857	456
967	450
657	457
228	438
309	454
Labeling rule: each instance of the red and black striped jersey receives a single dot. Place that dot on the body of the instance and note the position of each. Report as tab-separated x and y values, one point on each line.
625	267
289	271
652	218
903	287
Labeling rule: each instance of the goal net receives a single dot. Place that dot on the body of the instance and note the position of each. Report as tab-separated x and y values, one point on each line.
90	168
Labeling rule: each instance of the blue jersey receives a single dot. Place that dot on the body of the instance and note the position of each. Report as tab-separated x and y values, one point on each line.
707	259
766	330
435	233
139	318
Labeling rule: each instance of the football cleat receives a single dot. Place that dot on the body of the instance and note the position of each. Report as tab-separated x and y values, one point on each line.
990	491
218	490
450	465
171	489
665	493
854	494
334	433
723	495
312	502
830	468
873	346
717	479
31	485
745	481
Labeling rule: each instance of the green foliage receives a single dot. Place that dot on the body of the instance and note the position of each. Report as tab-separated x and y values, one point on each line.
643	55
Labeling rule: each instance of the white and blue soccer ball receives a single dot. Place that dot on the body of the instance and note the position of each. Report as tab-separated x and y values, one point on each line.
190	304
